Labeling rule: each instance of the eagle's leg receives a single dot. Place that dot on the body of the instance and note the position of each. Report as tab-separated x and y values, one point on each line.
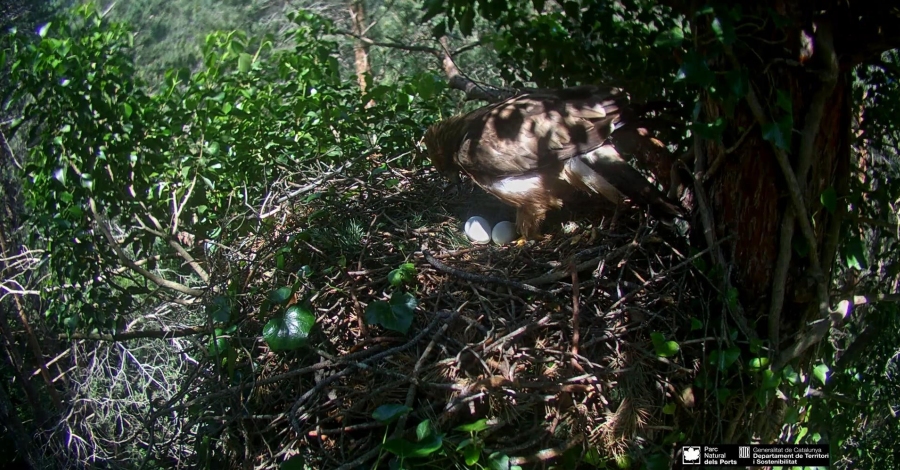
528	221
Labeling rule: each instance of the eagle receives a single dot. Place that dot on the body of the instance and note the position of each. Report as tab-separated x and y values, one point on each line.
536	150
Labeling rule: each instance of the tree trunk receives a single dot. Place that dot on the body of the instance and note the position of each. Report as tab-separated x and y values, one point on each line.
360	48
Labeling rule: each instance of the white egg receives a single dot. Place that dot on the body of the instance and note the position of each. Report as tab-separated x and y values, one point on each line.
478	230
504	232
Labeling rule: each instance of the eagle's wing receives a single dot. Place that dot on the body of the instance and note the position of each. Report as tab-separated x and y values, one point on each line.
537	130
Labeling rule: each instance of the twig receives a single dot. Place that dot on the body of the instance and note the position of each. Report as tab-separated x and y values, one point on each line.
477	277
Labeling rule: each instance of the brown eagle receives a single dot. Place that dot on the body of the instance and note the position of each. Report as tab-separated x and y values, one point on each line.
533	151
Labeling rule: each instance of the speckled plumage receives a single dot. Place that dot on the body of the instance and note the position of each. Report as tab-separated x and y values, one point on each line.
533	151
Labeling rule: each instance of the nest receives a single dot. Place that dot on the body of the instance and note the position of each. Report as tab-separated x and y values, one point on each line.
557	344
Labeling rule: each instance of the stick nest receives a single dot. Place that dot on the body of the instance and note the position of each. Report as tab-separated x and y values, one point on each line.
560	345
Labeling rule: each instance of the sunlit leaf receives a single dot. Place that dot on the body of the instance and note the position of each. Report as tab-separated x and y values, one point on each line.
388	413
289	330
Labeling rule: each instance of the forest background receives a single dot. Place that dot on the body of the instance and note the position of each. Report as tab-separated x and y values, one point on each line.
222	246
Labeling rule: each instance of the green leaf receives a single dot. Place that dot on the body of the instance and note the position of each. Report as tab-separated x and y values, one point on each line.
471	454
244	62
219	345
477	426
722	360
671	38
424	430
758	363
855	254
297	462
663	348
281	295
694	70
388	413
127	110
791	375
42	31
467	21
828	198
778	134
290	330
219	310
724	30
738	82
784	101
498	461
405	449
404	274
669	409
396	315
821	373
770	380
696	324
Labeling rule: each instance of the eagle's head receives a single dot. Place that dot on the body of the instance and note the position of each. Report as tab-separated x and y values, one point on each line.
442	141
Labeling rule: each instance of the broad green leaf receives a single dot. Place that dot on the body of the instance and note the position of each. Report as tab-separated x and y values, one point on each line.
669	409
696	324
671	38
388	413
424	430
821	372
828	198
791	375
297	462
775	133
758	363
723	359
404	274
663	348
694	70
244	62
498	461
855	254
724	30
396	315
405	449
770	380
477	426
784	101
218	346
219	310
738	82
280	295
471	454
289	330
42	31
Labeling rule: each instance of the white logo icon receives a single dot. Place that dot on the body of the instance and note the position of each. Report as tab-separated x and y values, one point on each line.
744	452
690	455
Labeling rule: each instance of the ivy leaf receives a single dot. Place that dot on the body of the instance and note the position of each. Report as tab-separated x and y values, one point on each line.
779	133
663	348
498	461
471	454
758	363
724	30
289	331
297	462
396	315
738	82
671	38
388	413
244	62
404	274
42	31
855	254
821	372
784	101
404	449
477	426
828	198
280	295
723	359
219	310
695	71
